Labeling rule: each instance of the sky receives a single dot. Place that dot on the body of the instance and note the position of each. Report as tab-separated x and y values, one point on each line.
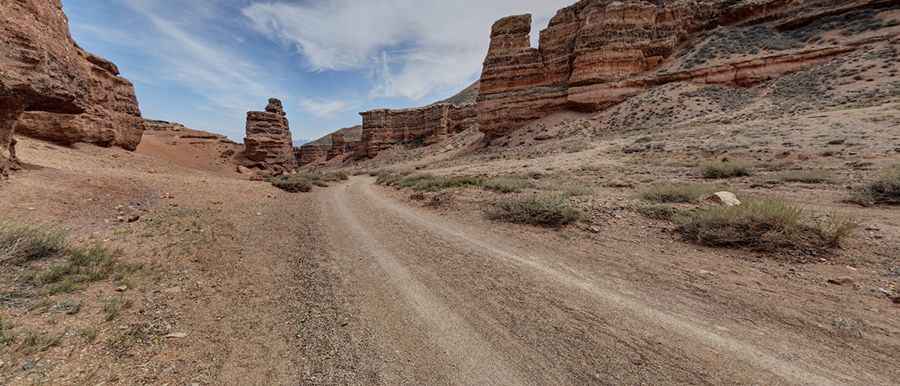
205	63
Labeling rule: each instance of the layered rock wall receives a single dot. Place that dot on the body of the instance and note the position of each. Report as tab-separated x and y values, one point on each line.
268	144
54	90
384	128
597	53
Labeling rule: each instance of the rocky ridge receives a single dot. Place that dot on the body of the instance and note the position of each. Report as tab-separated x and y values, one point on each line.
598	53
52	89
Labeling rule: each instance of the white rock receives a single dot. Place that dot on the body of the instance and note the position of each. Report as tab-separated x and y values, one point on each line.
723	198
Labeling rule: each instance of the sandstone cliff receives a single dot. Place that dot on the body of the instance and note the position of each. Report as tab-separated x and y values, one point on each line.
54	89
598	53
268	144
384	128
342	143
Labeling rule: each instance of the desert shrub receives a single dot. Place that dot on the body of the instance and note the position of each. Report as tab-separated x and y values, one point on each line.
335	176
25	243
388	179
295	183
807	176
430	183
542	210
884	190
764	225
677	193
506	184
720	170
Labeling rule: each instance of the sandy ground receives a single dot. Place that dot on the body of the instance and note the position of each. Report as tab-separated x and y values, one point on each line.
354	284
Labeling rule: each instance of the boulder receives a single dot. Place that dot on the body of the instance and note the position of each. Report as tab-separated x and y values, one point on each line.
723	199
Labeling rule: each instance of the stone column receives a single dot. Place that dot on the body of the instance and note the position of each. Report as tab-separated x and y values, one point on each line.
10	109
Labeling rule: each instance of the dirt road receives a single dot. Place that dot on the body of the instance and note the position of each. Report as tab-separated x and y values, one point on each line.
423	299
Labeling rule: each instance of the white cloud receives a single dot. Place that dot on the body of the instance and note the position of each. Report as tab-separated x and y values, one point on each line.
413	47
324	108
230	82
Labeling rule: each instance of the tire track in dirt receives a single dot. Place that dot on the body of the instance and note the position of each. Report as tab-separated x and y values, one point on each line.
437	338
359	199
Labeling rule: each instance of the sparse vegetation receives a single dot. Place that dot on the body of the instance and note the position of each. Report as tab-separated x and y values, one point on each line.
6	337
539	209
658	211
33	342
764	225
82	266
24	243
677	193
304	182
807	176
506	184
726	169
113	308
884	190
296	183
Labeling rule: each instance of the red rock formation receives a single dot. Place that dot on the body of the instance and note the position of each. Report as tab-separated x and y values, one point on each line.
344	142
268	144
53	88
426	125
597	53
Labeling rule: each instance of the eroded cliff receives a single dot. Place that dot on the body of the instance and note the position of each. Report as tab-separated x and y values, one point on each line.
598	53
52	89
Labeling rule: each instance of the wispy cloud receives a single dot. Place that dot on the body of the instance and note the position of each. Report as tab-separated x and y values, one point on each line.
324	108
413	47
230	83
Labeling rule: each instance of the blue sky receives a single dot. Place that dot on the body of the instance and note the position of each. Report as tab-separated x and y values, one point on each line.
205	63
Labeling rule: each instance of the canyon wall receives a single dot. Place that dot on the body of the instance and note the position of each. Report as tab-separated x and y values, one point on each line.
598	53
268	144
52	89
385	128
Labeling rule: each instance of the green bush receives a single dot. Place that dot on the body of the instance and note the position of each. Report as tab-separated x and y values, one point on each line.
677	193
543	210
23	243
884	190
721	170
764	225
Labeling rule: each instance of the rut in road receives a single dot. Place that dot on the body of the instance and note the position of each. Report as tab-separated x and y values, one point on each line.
444	302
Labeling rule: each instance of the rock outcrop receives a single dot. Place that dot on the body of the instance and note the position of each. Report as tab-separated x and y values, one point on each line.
52	89
598	53
268	144
340	144
382	129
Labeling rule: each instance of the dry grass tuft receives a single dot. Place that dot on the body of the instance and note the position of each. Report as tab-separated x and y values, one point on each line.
21	244
677	193
721	170
764	225
552	211
883	191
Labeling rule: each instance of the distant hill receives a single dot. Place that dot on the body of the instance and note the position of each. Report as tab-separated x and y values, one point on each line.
466	96
351	134
300	142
